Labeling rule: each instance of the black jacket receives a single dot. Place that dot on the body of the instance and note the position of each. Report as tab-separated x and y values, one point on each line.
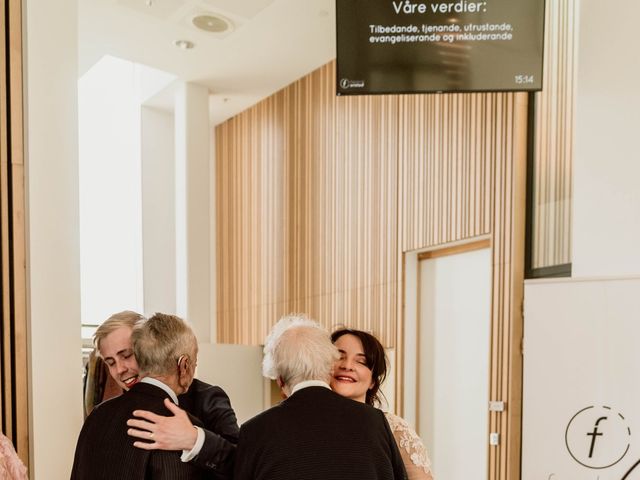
211	405
105	451
318	435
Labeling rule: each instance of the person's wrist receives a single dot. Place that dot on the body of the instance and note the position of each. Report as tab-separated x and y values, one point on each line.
191	438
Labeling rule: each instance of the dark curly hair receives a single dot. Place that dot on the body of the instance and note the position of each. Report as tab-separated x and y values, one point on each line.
376	361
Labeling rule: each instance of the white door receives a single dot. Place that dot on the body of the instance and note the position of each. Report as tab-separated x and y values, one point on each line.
453	362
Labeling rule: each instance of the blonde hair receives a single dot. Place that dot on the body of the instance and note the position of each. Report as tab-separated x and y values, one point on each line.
126	318
298	349
159	342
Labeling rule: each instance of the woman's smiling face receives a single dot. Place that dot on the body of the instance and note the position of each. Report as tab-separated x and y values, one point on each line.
351	376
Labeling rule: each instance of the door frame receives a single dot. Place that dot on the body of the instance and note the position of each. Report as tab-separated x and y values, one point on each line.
410	332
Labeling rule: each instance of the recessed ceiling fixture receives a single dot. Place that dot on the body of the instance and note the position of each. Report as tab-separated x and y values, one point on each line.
184	44
211	23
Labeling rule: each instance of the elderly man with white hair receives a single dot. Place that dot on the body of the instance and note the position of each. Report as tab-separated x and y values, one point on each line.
314	434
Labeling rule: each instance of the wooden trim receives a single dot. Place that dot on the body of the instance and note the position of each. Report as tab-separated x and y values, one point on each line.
14	401
514	324
5	418
19	234
454	250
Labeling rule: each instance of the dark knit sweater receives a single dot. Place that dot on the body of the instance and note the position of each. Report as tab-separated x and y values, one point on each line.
318	435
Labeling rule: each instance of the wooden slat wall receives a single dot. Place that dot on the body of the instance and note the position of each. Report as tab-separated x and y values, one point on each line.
344	206
297	232
448	148
13	325
553	155
463	176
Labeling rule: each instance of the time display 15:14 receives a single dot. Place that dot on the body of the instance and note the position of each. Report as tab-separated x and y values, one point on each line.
523	79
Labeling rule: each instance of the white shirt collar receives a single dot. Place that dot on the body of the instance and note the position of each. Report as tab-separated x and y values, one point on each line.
163	386
309	383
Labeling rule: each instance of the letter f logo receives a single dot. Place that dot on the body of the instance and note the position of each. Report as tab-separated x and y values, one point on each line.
594	434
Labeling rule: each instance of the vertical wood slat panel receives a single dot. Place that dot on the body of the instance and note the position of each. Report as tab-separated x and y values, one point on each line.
554	125
13	340
338	212
444	197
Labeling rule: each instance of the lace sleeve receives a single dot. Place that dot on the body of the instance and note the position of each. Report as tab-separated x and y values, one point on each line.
411	447
11	467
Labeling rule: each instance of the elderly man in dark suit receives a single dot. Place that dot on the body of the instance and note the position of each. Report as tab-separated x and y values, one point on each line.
166	351
315	434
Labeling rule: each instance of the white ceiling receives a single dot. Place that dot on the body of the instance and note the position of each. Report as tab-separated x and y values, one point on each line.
272	43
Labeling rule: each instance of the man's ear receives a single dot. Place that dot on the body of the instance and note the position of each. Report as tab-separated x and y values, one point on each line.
281	384
183	365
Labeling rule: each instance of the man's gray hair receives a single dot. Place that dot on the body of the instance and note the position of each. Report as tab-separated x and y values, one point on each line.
159	342
298	349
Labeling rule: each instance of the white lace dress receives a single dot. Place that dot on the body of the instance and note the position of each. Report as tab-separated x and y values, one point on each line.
413	452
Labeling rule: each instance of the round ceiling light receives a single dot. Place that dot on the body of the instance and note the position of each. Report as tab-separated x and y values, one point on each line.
184	44
211	23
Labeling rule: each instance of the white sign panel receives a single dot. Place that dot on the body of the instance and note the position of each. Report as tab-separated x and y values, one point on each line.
581	411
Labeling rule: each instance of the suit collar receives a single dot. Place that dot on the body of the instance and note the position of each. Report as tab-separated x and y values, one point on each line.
161	385
309	383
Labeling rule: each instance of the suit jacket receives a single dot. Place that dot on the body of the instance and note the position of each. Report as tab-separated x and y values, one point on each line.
318	435
105	451
211	405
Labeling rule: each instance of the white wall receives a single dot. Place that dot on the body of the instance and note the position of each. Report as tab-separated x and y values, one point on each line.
238	370
606	228
581	364
55	388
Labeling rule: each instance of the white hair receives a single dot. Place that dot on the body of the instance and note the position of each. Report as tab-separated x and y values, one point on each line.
298	349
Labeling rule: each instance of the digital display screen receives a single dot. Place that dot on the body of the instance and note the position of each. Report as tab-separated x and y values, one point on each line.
394	46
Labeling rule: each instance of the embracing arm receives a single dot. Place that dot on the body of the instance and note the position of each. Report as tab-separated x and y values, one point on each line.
214	444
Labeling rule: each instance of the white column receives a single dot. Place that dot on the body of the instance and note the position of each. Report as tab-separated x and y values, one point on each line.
193	201
55	358
158	211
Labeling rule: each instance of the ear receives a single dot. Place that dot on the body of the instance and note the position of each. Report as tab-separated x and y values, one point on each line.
284	392
184	364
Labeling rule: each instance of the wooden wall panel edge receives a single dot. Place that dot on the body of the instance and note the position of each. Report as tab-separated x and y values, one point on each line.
464	246
18	219
400	335
3	192
513	367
